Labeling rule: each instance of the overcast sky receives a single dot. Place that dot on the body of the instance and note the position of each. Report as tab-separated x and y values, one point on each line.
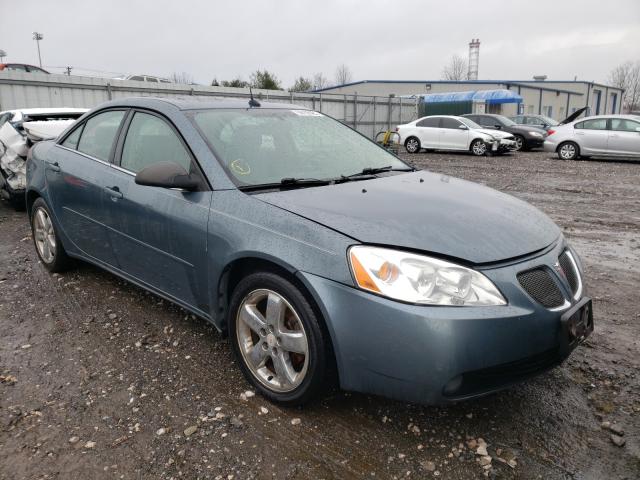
377	40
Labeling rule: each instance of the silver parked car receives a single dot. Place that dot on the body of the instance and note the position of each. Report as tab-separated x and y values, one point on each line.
603	135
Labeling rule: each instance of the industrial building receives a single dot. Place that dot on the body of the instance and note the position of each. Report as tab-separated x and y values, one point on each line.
555	99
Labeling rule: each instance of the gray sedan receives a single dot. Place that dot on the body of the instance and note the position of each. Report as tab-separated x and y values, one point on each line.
602	136
321	255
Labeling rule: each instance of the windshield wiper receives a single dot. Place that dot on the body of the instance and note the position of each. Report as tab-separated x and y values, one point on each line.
374	170
287	183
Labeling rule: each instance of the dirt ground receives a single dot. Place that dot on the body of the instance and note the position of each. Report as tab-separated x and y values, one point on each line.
99	379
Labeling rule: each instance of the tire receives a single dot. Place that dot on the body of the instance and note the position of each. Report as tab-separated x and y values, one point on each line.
412	145
568	151
520	143
46	240
283	356
478	147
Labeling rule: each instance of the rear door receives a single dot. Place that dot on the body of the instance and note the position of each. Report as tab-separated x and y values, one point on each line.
77	170
428	131
592	135
454	135
159	234
624	137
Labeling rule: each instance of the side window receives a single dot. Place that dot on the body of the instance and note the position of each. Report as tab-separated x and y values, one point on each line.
450	123
432	122
72	140
99	133
151	140
151	79
624	125
138	78
594	124
485	121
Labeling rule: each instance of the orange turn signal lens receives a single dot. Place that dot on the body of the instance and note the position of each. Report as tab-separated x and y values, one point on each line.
363	279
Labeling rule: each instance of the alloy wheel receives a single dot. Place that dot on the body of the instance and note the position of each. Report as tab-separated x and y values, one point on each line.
567	151
45	236
272	340
519	142
479	148
412	145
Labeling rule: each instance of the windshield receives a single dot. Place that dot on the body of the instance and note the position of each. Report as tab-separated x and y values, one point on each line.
505	121
469	123
548	121
263	146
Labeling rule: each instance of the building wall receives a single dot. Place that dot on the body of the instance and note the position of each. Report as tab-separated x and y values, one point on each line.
555	99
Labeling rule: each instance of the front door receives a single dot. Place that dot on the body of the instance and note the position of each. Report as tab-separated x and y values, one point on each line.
624	137
159	234
76	172
455	135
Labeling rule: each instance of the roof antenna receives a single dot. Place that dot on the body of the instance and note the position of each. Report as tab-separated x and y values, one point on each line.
253	102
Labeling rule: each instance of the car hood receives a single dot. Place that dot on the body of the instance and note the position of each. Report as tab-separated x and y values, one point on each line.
425	211
493	133
527	128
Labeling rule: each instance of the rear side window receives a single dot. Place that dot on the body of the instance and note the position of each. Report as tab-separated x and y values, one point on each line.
432	122
99	133
151	140
451	123
72	140
594	124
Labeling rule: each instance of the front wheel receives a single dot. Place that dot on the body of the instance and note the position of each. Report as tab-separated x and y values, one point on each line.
277	339
46	240
568	151
478	148
519	139
412	144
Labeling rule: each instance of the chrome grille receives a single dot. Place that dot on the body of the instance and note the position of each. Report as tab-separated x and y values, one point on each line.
542	287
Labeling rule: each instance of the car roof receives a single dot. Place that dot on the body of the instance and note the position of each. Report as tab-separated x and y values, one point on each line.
612	115
189	103
45	111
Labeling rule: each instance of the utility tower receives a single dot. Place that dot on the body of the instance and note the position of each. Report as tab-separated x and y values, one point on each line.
37	37
474	59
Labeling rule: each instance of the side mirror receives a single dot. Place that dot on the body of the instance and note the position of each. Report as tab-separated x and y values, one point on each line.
463	127
167	175
498	126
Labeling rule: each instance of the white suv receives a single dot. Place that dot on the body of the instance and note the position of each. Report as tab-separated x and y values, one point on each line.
442	132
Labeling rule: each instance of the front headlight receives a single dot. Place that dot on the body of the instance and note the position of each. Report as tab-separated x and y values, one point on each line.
536	134
420	279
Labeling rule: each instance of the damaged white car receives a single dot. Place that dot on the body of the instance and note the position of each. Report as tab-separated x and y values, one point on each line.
19	130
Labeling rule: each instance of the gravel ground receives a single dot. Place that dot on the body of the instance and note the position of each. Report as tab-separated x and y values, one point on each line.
99	379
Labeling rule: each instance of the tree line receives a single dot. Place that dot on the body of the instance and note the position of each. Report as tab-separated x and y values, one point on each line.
264	79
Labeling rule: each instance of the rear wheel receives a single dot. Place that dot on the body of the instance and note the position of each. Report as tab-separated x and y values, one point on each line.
568	151
478	147
277	339
46	240
412	144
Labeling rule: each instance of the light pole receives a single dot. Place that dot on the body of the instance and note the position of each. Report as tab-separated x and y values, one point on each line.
2	55
37	37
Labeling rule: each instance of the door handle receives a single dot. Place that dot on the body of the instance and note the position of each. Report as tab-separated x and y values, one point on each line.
53	166
114	193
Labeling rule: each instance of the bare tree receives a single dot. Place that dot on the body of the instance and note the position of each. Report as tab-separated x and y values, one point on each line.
456	69
343	74
182	77
627	77
319	81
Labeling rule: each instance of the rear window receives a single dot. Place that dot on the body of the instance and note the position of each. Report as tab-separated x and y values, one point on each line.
593	124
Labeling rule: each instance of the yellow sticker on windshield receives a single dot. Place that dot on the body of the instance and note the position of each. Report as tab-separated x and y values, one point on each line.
240	167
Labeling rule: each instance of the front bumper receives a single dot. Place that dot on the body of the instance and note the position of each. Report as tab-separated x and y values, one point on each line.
504	145
435	355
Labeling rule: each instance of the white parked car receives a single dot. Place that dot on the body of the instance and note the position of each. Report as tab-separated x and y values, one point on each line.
144	78
602	136
19	130
444	132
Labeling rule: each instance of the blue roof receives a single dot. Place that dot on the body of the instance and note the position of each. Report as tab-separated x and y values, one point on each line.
491	97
